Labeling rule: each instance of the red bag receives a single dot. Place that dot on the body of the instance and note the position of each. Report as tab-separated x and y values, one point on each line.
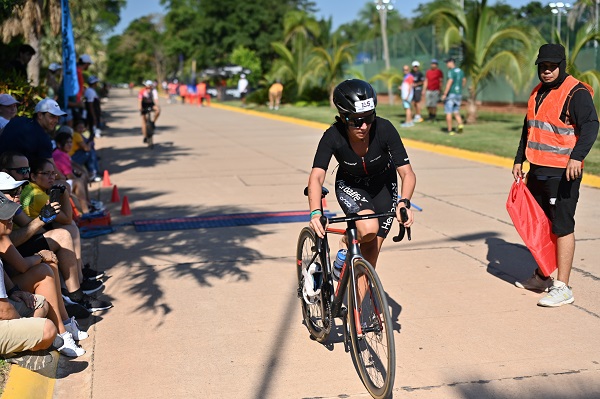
533	226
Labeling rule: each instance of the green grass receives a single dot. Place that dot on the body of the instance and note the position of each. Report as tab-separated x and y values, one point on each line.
496	133
4	369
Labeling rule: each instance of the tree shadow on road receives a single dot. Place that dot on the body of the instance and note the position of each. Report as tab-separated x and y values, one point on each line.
124	159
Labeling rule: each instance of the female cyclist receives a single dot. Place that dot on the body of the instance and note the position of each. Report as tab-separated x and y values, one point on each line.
369	152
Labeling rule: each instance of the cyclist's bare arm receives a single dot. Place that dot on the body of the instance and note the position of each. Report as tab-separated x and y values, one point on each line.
315	186
407	188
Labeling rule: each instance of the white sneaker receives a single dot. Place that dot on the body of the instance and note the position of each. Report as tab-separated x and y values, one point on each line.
535	283
559	294
73	327
70	348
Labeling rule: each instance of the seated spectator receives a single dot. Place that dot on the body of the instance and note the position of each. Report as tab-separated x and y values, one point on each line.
83	151
34	275
8	109
33	199
77	179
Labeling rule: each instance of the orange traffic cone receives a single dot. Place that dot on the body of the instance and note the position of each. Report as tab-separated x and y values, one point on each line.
115	195
106	180
125	211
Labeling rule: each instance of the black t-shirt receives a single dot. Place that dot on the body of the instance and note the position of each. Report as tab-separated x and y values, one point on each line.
419	80
385	145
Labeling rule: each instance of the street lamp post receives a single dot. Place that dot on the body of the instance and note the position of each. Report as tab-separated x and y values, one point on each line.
383	6
559	9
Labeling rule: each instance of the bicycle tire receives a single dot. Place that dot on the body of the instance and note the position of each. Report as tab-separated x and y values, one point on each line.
373	349
149	132
316	316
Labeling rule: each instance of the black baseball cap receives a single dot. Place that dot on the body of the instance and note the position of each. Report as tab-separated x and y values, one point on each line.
554	53
450	59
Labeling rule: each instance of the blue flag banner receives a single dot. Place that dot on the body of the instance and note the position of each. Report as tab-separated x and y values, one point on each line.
70	84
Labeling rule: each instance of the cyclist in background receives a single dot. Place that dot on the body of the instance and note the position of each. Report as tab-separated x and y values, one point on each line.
370	153
148	101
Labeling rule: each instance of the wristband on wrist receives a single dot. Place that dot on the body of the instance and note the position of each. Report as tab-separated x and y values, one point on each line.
316	212
406	202
14	289
41	257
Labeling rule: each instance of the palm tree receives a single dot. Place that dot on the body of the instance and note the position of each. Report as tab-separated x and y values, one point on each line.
296	67
489	46
391	77
27	20
330	65
585	34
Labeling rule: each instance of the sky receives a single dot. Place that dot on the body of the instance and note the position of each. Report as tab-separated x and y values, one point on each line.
341	11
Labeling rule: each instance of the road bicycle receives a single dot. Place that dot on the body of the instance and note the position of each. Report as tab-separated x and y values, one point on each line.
148	117
367	324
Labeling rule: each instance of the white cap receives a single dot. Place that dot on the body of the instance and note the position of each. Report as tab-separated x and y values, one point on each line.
416	63
86	59
49	105
242	75
148	83
93	79
54	67
7	99
8	183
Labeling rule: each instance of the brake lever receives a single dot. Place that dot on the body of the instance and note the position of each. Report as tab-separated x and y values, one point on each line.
403	230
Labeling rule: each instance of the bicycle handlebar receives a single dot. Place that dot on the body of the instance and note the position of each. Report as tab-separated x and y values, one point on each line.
354	217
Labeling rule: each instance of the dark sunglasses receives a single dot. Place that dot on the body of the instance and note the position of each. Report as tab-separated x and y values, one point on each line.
24	170
358	122
15	192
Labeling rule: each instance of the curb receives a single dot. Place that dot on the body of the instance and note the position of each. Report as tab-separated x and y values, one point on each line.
488	159
26	384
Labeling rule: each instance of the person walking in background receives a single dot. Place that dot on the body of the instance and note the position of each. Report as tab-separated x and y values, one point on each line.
243	88
406	93
418	89
452	96
433	83
560	129
275	93
17	68
8	109
92	106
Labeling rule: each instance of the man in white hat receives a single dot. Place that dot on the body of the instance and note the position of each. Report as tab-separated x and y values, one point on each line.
82	65
8	109
30	136
53	80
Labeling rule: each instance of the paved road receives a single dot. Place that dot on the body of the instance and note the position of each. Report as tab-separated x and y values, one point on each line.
212	313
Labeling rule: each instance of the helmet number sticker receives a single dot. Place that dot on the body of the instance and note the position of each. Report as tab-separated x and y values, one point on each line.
364	105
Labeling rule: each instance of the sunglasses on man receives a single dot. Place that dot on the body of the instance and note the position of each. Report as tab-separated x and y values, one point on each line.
358	122
15	192
24	170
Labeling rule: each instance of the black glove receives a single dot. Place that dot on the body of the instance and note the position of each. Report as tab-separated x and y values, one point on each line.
48	214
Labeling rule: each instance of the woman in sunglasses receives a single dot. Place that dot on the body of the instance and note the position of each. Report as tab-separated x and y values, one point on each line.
370	155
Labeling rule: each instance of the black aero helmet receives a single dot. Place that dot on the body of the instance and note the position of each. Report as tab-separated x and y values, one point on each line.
352	95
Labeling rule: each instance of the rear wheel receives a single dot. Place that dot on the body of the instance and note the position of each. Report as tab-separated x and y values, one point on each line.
370	325
316	315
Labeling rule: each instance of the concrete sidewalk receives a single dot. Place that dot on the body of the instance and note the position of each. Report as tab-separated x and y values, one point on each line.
212	313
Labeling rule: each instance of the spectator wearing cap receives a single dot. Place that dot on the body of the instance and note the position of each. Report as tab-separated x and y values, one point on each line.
52	80
243	88
406	93
8	109
31	136
418	89
452	96
559	130
92	106
433	83
17	68
82	65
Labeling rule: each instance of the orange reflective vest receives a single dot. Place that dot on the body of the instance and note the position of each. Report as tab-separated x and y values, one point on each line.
550	141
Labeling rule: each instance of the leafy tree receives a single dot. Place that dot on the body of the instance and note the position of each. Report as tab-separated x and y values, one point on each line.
488	46
248	59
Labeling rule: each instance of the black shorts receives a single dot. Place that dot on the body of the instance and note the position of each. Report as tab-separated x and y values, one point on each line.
35	244
417	95
378	194
558	198
146	108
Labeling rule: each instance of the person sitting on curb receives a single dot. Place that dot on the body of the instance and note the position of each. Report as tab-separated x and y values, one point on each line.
31	238
24	341
31	272
83	151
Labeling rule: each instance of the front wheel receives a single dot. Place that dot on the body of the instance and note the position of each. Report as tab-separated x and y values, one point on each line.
370	325
316	315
